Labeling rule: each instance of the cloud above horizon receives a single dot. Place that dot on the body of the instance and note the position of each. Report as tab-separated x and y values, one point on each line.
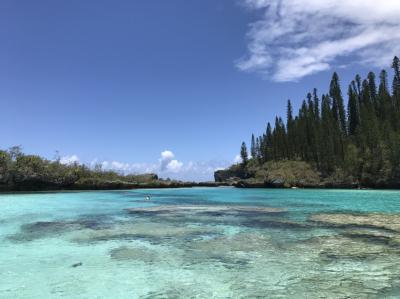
297	38
237	159
168	163
167	167
68	160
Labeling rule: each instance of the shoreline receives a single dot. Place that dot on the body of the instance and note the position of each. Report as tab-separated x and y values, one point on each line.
116	187
246	185
316	188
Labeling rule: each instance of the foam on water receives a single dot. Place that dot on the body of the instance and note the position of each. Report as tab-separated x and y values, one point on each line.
201	243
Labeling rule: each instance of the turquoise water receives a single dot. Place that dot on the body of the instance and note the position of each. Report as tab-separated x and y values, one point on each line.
200	243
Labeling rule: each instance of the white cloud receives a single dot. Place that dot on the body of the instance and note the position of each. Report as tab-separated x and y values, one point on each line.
67	160
167	166
167	155
296	38
237	159
167	162
127	168
174	166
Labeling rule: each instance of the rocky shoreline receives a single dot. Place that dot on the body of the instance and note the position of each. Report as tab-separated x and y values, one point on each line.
282	184
234	182
294	174
112	185
301	185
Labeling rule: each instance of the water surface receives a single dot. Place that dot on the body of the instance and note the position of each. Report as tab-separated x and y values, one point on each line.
201	243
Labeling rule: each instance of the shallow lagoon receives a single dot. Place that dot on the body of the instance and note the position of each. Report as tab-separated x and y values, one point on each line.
201	243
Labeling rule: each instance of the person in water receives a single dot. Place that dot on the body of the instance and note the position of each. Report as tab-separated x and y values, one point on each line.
147	197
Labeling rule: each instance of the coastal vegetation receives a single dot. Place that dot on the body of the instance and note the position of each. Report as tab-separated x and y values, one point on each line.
22	172
328	143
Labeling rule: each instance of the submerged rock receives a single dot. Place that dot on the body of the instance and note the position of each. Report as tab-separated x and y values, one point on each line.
345	266
246	242
277	223
390	222
175	209
154	232
179	291
182	215
339	247
374	237
134	253
46	229
43	229
231	252
366	235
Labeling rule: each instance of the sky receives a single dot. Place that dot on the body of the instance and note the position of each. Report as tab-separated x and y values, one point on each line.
174	87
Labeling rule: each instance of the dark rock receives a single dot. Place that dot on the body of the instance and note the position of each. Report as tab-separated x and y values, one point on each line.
232	174
77	265
250	183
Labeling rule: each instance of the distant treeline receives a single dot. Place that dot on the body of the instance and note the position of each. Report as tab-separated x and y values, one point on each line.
21	172
358	142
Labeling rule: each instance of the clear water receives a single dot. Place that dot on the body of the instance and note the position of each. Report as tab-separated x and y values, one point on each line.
268	249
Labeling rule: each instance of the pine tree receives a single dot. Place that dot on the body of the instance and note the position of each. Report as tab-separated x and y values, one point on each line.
396	78
358	84
353	118
268	144
316	104
327	148
396	91
385	111
259	149
317	129
383	86
253	149
373	91
289	113
337	104
243	154
290	129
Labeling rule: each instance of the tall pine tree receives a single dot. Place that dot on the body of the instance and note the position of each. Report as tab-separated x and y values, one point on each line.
337	102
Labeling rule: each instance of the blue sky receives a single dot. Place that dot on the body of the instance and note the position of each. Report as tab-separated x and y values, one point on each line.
173	86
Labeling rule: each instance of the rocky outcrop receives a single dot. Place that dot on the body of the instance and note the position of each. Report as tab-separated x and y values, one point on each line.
232	174
288	174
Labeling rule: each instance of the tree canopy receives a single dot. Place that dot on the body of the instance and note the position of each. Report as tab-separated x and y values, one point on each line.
19	171
361	141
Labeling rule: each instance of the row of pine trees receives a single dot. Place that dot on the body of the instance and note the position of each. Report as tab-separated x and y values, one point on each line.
361	140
